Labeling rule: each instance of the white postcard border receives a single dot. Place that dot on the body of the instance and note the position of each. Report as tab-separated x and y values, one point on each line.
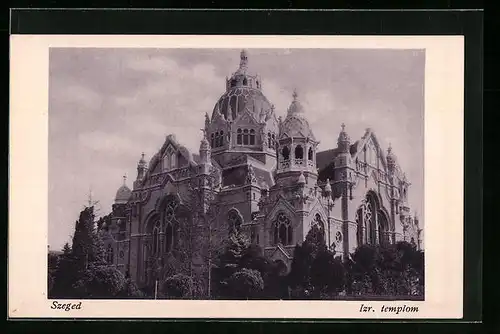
28	182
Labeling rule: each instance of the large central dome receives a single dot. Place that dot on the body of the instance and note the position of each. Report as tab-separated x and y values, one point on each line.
243	91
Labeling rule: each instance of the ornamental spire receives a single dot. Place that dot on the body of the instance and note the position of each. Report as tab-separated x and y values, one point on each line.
243	60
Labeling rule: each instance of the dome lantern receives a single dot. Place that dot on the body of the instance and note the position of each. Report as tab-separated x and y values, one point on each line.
123	193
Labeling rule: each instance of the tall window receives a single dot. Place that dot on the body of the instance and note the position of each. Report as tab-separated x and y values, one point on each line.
245	137
369	222
156	238
212	140
239	140
310	154
319	223
221	138
110	254
269	140
173	160
234	221
171	225
252	137
299	152
283	230
359	223
285	152
382	228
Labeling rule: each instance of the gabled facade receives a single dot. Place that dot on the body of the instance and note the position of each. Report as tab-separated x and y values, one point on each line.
261	175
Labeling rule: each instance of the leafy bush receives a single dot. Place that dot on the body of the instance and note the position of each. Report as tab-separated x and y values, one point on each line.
245	284
100	282
178	286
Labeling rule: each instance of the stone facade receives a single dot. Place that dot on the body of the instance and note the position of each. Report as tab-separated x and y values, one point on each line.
262	175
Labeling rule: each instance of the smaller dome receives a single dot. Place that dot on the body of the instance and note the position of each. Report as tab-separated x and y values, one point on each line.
204	144
123	193
295	124
296	107
343	136
328	187
302	179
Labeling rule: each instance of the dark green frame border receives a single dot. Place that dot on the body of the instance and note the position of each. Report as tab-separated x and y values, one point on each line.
468	23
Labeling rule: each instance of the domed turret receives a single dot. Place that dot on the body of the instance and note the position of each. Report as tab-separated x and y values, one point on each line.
295	124
204	149
343	142
123	193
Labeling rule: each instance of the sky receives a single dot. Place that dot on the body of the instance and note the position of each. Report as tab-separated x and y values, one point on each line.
107	106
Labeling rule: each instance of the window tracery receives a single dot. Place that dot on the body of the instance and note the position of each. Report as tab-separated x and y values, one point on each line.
170	227
283	230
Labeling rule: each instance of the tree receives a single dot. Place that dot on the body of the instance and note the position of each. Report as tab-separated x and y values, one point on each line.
178	286
245	284
53	263
314	270
228	261
87	245
100	281
327	274
65	275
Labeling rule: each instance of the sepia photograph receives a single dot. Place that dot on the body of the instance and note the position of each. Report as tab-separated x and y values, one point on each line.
236	174
236	177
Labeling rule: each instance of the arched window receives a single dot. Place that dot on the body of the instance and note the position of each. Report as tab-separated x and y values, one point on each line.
359	224
156	238
299	152
166	162
258	84
234	221
233	82
245	81
319	223
283	230
310	154
238	137
173	160
212	140
170	226
369	223
252	137
413	241
110	254
285	152
382	228
245	137
216	139
269	139
221	138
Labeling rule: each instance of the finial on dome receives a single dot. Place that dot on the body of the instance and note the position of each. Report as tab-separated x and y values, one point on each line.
389	149
343	126
243	60
295	94
124	180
